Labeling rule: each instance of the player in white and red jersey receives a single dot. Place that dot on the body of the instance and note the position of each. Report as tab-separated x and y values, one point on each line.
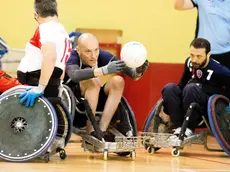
46	54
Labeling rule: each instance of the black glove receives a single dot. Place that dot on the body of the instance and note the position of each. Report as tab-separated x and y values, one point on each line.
143	67
113	67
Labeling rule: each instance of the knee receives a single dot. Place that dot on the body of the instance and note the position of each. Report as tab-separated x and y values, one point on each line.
92	84
117	83
95	83
189	89
169	89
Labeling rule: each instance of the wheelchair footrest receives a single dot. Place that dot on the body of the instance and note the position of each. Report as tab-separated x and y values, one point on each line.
169	140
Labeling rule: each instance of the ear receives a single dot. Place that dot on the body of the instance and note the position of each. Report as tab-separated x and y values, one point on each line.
77	49
209	54
35	14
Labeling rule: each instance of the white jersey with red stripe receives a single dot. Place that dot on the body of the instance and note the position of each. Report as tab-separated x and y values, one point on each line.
46	32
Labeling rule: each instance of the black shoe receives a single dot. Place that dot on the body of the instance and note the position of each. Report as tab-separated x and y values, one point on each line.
109	137
94	134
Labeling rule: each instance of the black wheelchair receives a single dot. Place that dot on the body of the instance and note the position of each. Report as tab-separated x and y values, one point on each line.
28	133
157	128
122	123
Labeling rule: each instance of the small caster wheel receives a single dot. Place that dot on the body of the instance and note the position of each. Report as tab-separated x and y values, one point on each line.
150	150
47	157
133	155
62	154
105	155
175	152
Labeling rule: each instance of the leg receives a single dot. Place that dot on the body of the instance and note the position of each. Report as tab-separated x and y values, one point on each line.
193	93
172	103
90	90
114	90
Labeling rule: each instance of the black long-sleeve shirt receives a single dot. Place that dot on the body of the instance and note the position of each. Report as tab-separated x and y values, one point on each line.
214	78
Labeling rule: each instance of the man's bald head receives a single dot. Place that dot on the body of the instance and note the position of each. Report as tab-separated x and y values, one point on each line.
87	38
88	48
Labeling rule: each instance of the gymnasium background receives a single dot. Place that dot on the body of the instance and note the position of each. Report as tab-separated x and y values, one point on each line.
165	32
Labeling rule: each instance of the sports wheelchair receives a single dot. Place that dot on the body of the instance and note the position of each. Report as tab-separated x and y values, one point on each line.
120	143
158	127
29	133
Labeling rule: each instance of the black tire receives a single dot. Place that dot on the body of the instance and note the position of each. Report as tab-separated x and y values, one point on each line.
154	122
72	98
127	109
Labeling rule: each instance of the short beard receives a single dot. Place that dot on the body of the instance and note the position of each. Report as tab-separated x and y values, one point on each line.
203	63
200	65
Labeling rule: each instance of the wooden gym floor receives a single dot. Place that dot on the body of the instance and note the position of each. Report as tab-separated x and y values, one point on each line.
192	159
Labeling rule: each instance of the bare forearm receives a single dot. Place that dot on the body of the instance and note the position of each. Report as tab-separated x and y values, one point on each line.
47	69
63	74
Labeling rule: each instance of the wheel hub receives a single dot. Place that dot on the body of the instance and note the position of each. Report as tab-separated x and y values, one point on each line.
18	124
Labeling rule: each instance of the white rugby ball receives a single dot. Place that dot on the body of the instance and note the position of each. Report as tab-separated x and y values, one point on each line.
134	54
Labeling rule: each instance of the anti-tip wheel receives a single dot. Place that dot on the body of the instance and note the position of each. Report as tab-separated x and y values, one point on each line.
62	154
150	150
47	157
133	155
105	155
175	152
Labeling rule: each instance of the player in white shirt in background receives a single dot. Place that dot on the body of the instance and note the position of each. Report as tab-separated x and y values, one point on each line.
46	54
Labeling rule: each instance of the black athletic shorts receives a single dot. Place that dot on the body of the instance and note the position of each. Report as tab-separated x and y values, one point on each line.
80	119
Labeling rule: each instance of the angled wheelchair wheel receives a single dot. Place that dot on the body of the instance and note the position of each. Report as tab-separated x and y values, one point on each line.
219	120
157	122
66	121
27	132
69	100
130	114
64	129
129	125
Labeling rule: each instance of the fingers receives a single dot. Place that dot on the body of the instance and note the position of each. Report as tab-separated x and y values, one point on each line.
32	101
24	97
118	62
145	66
146	63
28	97
120	66
28	101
